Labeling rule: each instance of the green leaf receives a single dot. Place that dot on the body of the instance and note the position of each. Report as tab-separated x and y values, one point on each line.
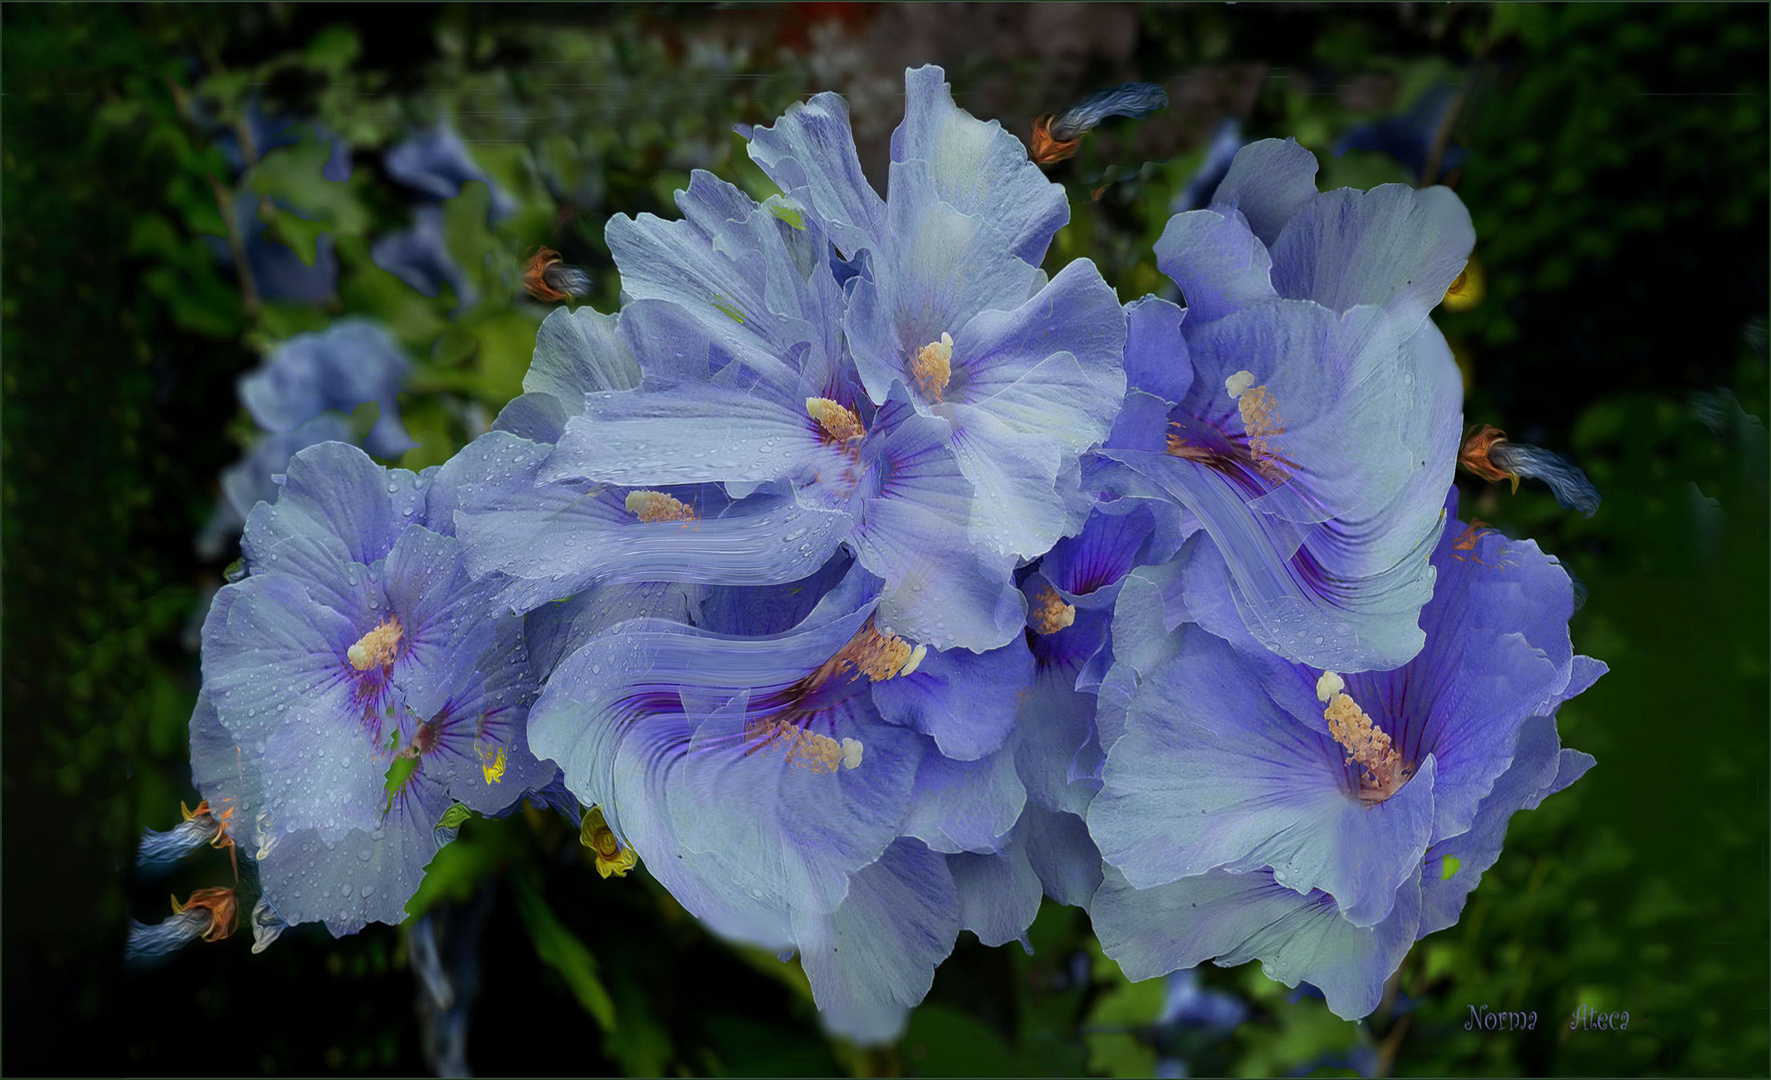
454	816
561	950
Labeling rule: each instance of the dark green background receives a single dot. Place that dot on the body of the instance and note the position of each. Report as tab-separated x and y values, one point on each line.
1617	177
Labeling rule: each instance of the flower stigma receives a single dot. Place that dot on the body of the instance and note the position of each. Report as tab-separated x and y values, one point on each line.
1365	743
378	647
1260	421
933	366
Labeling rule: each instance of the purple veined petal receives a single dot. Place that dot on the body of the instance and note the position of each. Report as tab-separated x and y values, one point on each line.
1052	366
1219	263
1532	768
274	667
874	958
480	752
810	153
1109	547
554	631
577	352
802	830
966	701
1234	918
1062	854
1017	509
443	615
974	166
1269	182
937	269
335	493
965	805
1497	651
1156	357
1571	765
1324	436
1394	247
998	893
559	538
1217	768
691	433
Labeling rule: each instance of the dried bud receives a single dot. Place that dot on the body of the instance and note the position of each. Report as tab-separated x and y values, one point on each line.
546	278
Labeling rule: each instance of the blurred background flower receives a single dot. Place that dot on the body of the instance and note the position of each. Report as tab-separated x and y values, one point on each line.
191	190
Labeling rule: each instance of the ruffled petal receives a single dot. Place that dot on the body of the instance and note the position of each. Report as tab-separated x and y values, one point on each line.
1017	509
577	352
1062	855
1220	265
965	805
874	958
336	494
1234	918
1269	182
810	153
1052	366
975	167
999	893
1394	247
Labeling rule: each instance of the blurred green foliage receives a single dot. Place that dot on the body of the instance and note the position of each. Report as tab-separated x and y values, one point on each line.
1616	173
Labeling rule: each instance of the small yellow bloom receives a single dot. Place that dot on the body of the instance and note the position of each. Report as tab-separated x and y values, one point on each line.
1469	288
612	856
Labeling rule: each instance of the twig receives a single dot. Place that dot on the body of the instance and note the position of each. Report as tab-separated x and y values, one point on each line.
236	246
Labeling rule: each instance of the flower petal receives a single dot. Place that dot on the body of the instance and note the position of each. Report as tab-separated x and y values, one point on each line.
577	352
974	166
965	805
1269	182
810	153
1235	918
1156	358
1219	263
1394	247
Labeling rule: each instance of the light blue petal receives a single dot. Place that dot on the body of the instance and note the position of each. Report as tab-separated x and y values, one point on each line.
1220	265
1235	918
939	592
1052	366
874	958
577	352
974	166
965	805
810	153
692	433
336	494
1394	247
1062	855
999	894
1017	509
560	538
1269	182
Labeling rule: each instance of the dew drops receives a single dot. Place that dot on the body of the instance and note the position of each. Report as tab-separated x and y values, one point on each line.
392	487
344	890
368	891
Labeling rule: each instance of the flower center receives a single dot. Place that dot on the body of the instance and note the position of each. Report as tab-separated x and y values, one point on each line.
1384	771
378	646
932	365
1260	422
651	506
839	423
1051	613
869	654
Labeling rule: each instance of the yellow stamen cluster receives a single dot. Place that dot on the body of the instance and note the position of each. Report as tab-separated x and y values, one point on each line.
1051	613
378	646
1364	741
877	656
612	856
807	749
1260	421
839	423
651	506
932	365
